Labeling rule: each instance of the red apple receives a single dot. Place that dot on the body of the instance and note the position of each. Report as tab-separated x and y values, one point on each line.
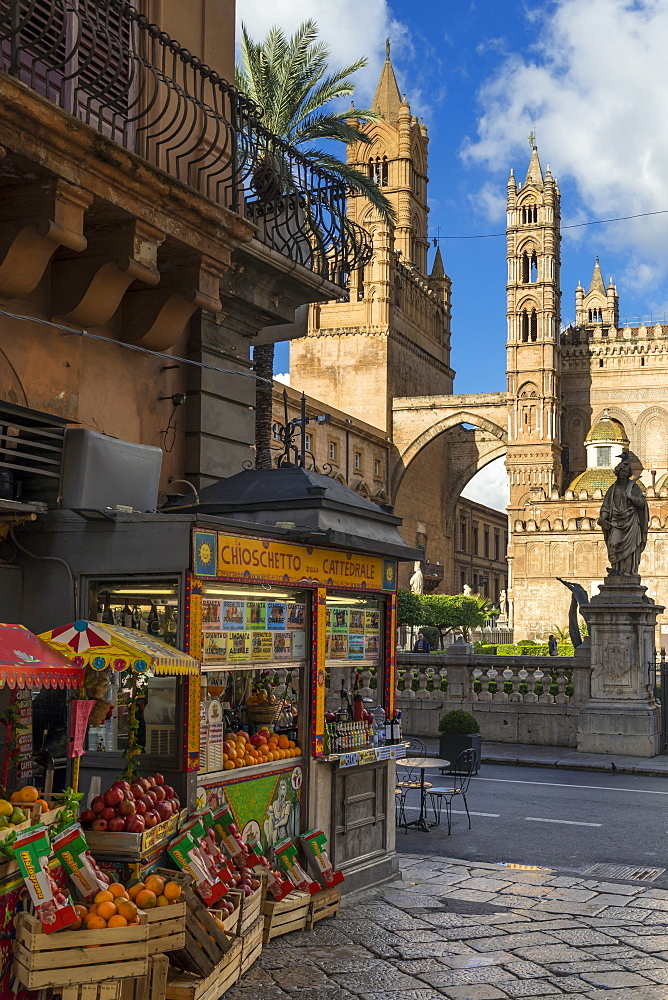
117	824
135	824
151	781
137	790
100	824
98	804
147	800
150	819
233	830
158	778
153	795
87	816
140	807
159	793
121	784
127	808
169	791
164	811
113	797
108	813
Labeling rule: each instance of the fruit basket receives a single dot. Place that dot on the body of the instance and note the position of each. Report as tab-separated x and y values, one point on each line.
76	958
263	715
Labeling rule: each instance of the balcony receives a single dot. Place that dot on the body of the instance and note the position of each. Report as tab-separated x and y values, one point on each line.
103	63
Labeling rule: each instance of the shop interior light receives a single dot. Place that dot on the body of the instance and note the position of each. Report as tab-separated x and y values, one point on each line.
139	592
270	595
351	601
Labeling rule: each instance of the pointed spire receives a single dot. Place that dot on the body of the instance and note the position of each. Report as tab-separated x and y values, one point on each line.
437	271
387	98
534	173
512	183
597	280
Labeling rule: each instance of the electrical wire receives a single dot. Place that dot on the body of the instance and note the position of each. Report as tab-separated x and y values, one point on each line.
574	225
133	347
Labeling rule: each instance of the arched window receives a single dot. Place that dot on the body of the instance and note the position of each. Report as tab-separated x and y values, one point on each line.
524	327
276	430
528	325
533	325
529	214
529	267
378	170
534	269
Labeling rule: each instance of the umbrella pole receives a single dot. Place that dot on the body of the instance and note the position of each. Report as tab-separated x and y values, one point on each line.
76	767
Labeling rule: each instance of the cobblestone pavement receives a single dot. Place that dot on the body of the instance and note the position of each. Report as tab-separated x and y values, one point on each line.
467	931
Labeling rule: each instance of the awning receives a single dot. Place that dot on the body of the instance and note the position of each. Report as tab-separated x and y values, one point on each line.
26	661
98	645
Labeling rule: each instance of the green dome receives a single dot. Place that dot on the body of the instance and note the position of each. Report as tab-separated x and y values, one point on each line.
607	429
595	479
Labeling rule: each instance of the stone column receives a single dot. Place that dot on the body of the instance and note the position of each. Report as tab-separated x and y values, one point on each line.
621	716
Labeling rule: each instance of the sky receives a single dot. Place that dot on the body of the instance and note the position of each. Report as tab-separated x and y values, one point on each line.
590	79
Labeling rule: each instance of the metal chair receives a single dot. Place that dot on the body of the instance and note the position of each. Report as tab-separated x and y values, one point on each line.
464	768
411	779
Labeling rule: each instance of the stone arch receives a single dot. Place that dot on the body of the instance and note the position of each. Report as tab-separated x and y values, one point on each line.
576	426
652	438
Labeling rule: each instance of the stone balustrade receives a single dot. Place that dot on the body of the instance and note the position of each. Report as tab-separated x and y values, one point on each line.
516	699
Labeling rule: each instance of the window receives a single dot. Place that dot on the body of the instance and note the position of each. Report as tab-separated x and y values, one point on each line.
475	583
604	458
333	451
308	442
462	581
378	170
497	547
474	538
462	535
376	467
358	461
276	431
486	542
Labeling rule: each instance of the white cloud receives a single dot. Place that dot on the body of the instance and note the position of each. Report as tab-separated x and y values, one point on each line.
490	486
283	378
351	29
594	87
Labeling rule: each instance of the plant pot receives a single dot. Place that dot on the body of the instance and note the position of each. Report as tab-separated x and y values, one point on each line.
452	744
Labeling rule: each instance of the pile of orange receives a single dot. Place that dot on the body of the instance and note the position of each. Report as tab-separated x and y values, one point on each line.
240	751
117	906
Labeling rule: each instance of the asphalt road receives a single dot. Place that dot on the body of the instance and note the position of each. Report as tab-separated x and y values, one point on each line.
551	817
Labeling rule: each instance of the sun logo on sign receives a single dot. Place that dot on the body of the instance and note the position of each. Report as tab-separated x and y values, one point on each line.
205	553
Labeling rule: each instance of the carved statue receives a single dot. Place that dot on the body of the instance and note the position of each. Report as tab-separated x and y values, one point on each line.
624	519
579	600
503	603
416	582
466	590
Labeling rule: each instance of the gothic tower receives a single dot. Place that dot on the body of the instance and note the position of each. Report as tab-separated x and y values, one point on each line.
599	306
533	353
392	337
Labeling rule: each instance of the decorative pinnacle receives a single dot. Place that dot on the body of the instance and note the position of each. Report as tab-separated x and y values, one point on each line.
532	139
387	48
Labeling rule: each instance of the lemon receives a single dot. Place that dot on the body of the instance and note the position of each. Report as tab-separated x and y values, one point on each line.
6	808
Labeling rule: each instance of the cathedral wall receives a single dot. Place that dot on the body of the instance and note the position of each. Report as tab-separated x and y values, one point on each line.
421	502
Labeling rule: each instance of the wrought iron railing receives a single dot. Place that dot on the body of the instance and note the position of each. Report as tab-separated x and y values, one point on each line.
106	64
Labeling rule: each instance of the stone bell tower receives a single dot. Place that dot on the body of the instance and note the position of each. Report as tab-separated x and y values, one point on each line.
392	336
534	318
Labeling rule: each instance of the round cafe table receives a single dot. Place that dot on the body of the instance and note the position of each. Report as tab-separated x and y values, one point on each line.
423	763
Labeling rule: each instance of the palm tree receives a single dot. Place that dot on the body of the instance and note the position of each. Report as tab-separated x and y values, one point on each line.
289	79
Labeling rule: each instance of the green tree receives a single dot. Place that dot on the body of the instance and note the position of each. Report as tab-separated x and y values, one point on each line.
409	608
290	81
449	613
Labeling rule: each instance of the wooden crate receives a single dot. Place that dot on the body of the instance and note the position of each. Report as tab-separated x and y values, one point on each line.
110	990
284	915
185	986
230	920
206	943
325	903
251	909
150	987
166	927
251	944
76	958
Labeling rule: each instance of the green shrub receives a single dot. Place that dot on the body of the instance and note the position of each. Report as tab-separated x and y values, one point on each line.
527	642
486	650
458	722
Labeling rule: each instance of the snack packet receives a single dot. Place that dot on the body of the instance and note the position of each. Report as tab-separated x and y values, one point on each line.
186	853
288	859
71	849
314	843
54	909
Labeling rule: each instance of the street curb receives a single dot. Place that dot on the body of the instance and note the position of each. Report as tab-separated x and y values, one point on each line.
577	766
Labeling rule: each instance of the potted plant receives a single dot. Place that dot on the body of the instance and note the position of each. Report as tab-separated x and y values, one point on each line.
459	731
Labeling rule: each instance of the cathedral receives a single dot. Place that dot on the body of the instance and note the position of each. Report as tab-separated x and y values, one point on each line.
575	399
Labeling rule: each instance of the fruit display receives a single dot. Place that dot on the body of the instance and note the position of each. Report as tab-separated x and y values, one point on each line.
117	906
242	750
132	808
11	815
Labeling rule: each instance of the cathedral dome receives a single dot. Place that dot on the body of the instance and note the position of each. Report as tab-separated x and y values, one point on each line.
607	430
596	479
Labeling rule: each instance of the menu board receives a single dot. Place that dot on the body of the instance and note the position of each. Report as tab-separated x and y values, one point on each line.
239	631
353	633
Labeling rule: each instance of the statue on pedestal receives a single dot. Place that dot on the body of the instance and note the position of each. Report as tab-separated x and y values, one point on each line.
466	590
416	582
624	518
503	604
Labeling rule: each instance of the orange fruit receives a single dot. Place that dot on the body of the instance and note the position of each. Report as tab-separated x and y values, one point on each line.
146	899
117	921
172	891
27	794
95	923
283	743
162	901
106	910
126	909
292	744
248	760
298	751
232	753
134	889
154	883
117	889
43	805
81	910
132	922
239	762
104	896
228	765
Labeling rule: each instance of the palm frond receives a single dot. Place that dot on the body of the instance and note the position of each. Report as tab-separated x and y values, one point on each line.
358	182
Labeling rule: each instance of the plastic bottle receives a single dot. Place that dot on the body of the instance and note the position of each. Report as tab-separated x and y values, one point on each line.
379	726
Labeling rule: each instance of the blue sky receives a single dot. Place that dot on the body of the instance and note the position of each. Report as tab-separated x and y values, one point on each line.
591	79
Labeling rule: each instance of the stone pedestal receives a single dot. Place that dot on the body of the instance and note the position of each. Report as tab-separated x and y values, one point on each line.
621	716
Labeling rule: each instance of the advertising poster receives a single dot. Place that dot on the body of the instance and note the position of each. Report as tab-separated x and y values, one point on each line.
238	647
338	647
356	621
339	619
232	615
296	615
299	645
355	647
282	645
276	616
329	619
256	615
261	646
371	621
372	646
268	806
214	647
211	612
